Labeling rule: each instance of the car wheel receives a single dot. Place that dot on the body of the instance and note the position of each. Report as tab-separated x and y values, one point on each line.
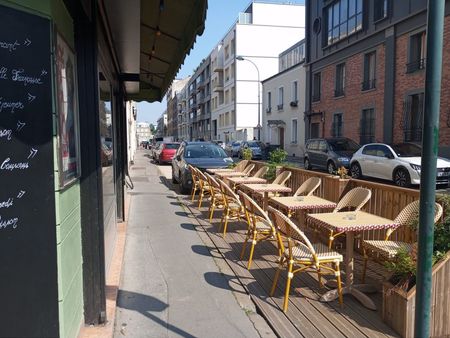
183	189
174	180
402	178
307	164
331	168
355	170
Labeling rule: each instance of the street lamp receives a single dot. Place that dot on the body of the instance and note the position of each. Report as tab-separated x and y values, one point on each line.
241	58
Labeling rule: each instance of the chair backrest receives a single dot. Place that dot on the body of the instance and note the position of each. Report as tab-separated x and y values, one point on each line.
282	178
241	165
308	187
253	211
228	193
354	200
261	172
248	169
194	173
212	181
410	214
201	177
287	229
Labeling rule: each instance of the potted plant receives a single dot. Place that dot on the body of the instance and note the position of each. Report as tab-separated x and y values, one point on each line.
277	158
399	291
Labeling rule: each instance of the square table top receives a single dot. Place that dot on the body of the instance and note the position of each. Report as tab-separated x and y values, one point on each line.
303	202
216	170
246	179
342	222
223	174
262	187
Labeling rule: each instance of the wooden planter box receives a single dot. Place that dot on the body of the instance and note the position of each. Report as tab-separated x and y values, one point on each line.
399	306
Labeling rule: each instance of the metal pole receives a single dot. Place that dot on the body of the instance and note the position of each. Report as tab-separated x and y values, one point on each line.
435	33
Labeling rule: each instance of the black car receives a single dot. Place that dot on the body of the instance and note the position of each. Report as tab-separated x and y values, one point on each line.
329	153
203	155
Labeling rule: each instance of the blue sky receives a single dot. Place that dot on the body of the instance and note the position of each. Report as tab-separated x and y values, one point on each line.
221	15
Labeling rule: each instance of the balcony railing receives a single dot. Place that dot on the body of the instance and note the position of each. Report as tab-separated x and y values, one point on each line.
294	103
369	84
316	97
415	66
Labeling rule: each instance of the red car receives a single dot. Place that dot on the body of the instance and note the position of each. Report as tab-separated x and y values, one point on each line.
166	151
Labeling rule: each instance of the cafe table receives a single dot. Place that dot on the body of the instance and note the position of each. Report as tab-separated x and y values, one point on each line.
265	189
293	203
226	174
217	170
351	222
234	181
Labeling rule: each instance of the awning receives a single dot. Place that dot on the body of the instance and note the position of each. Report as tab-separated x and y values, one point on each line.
151	39
276	123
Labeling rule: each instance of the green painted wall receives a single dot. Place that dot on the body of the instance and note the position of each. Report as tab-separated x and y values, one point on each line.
68	215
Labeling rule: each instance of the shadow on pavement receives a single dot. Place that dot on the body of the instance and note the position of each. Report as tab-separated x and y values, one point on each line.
188	226
223	281
145	304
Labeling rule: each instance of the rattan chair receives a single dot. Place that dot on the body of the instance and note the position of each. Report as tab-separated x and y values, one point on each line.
241	165
204	189
260	226
216	196
248	169
282	178
354	200
387	249
232	206
308	187
301	255
195	180
261	172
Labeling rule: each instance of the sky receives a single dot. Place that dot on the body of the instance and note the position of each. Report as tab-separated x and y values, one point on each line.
220	16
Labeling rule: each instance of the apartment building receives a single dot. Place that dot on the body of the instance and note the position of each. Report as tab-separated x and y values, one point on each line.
366	63
261	32
284	102
199	103
183	114
161	129
143	132
173	103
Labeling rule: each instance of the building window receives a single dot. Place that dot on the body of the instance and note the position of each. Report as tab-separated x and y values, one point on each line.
380	9
294	101
294	131
336	128
280	98
369	71
344	17
340	80
269	102
417	52
412	118
367	127
316	87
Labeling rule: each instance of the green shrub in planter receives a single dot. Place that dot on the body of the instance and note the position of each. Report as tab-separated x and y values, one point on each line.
247	154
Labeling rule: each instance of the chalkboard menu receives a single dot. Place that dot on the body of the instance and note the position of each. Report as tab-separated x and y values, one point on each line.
28	261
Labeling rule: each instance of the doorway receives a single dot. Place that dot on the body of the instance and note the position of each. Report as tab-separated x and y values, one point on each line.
281	133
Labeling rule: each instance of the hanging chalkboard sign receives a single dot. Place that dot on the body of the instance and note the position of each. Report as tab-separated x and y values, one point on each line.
28	261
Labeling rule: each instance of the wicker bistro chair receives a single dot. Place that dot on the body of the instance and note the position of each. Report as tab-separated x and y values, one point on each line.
261	172
195	180
233	209
301	255
241	165
387	249
260	226
354	200
281	179
248	169
308	187
204	189
216	196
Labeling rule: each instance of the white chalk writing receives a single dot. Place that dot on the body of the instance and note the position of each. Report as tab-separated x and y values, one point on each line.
20	125
10	46
18	75
8	222
10	105
7	165
21	193
6	204
6	133
33	153
3	73
27	42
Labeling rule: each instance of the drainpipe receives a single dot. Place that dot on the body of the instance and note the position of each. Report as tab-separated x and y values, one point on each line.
430	139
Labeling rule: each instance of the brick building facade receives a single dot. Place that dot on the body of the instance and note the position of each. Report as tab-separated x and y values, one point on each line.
367	82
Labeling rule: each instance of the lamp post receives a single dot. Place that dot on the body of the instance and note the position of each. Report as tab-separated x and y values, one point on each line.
241	58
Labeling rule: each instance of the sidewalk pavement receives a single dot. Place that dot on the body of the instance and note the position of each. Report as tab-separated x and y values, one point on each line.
171	284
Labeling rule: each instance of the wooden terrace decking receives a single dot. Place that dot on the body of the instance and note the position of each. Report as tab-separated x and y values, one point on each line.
306	315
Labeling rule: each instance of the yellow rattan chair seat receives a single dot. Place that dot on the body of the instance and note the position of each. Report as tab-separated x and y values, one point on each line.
386	248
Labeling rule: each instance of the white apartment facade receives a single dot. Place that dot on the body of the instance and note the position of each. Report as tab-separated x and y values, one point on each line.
261	32
143	131
284	102
132	137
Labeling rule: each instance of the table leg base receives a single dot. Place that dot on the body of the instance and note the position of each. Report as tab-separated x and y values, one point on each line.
355	291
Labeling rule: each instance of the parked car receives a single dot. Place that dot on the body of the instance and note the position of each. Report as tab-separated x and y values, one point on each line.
203	155
399	163
166	151
154	149
255	146
329	153
232	148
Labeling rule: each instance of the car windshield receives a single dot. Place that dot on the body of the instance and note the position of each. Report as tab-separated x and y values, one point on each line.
172	145
343	145
407	150
204	151
253	144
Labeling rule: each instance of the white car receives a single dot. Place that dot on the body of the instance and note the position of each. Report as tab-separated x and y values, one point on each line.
399	163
